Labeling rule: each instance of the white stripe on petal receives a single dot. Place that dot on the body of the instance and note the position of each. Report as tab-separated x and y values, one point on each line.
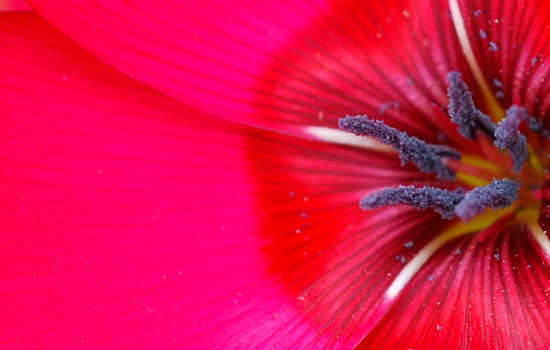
541	238
462	34
337	136
414	266
459	229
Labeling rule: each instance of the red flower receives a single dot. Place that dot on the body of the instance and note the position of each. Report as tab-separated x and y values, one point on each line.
173	177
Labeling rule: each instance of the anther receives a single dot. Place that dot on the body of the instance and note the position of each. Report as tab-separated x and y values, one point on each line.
498	194
421	198
427	157
462	110
508	136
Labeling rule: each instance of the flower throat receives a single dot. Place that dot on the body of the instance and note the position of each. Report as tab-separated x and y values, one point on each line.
443	161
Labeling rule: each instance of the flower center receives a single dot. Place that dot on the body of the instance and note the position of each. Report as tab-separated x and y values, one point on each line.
506	175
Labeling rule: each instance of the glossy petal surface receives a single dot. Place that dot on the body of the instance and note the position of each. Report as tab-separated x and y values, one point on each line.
282	65
473	295
13	5
511	44
132	221
107	184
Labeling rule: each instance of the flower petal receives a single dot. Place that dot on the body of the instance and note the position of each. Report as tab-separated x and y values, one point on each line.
509	41
474	295
13	5
130	220
280	64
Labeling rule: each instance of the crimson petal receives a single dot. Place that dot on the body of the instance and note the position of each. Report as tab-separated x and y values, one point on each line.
13	5
131	221
282	65
511	45
474	295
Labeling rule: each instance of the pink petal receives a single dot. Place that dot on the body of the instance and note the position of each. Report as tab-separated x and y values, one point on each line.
473	295
280	64
131	221
13	5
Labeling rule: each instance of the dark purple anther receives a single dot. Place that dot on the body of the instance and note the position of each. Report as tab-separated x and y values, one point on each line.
508	136
462	110
421	198
497	194
428	158
445	151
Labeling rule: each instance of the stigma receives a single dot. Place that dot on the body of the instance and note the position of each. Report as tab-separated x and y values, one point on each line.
472	123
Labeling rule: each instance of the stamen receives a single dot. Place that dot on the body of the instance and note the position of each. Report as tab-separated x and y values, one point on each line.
509	137
428	158
445	151
421	198
498	194
462	110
